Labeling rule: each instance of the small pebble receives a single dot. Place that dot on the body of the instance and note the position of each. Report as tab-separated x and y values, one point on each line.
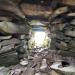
24	62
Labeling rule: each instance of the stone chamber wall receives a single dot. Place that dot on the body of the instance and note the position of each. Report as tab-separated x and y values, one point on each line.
62	28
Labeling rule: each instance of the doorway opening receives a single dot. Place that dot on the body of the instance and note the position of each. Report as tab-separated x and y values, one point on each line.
39	36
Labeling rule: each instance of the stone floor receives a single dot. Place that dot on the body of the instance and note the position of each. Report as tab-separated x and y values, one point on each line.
38	62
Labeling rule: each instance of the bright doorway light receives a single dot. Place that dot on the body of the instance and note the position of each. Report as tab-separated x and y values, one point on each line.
39	38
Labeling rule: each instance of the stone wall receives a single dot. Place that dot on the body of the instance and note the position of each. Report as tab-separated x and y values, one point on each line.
62	27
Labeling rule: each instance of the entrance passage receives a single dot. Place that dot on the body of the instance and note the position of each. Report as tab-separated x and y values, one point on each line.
39	36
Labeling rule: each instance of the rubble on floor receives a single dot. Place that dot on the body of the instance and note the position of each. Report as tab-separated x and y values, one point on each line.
37	63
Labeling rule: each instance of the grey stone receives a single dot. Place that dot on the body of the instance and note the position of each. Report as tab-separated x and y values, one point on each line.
70	33
69	69
24	62
43	64
61	10
12	28
5	37
7	48
73	22
29	71
71	14
11	41
8	59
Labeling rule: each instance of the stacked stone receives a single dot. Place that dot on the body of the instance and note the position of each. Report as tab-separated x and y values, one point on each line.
11	46
63	31
8	46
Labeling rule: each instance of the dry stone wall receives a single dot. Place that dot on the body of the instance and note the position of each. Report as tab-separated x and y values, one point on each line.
62	27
